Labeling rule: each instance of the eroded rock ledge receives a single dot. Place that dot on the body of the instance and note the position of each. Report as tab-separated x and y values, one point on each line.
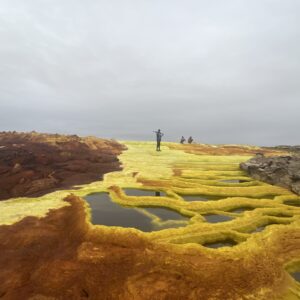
34	163
281	170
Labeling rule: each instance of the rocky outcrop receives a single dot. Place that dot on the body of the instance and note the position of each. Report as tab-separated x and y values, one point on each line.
291	149
32	164
281	170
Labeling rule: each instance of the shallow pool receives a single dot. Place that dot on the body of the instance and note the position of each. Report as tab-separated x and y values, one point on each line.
241	209
231	181
214	218
261	228
292	203
226	243
201	197
106	212
140	193
296	275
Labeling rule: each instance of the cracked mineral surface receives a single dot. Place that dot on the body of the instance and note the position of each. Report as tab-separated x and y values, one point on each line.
50	249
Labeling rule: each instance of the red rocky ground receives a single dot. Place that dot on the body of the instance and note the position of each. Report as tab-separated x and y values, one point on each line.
32	164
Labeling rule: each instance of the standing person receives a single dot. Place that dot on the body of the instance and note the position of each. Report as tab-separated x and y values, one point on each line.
182	140
190	140
159	135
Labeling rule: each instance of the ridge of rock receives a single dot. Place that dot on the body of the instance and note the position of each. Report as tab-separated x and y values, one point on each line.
277	170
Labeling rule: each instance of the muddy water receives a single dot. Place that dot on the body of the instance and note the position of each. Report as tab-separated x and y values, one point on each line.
201	197
140	193
106	212
231	181
296	275
214	218
165	214
293	203
241	209
226	243
261	228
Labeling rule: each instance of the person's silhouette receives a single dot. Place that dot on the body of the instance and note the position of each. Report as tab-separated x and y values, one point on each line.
190	140
159	135
182	140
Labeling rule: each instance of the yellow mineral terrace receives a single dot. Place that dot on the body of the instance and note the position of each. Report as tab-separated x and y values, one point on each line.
253	221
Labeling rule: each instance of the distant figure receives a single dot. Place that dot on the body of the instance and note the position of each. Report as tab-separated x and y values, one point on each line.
159	135
182	140
190	140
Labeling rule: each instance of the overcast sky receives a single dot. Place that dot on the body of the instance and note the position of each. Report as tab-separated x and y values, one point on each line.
221	71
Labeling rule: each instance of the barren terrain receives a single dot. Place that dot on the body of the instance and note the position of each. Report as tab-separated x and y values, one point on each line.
51	250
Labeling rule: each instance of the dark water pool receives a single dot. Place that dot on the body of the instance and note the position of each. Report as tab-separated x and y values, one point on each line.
293	203
226	243
231	181
296	275
106	212
268	197
201	197
214	218
241	209
140	193
271	197
261	228
279	215
165	214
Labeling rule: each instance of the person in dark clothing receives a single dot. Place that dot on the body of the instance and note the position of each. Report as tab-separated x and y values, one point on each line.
182	140
159	135
190	140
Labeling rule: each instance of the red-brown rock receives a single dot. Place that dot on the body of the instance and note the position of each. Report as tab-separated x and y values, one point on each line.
32	164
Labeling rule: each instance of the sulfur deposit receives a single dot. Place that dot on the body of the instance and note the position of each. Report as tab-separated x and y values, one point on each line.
55	252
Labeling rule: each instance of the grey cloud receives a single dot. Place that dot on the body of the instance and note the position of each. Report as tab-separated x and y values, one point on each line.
222	71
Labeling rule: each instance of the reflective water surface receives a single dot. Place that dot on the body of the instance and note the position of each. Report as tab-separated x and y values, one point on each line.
138	192
214	218
296	275
292	203
201	197
242	209
106	212
226	243
231	180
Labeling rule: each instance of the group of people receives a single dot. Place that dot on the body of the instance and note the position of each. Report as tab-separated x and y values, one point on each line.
159	136
190	140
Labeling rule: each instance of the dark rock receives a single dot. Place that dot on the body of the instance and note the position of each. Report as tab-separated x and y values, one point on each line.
291	149
278	170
